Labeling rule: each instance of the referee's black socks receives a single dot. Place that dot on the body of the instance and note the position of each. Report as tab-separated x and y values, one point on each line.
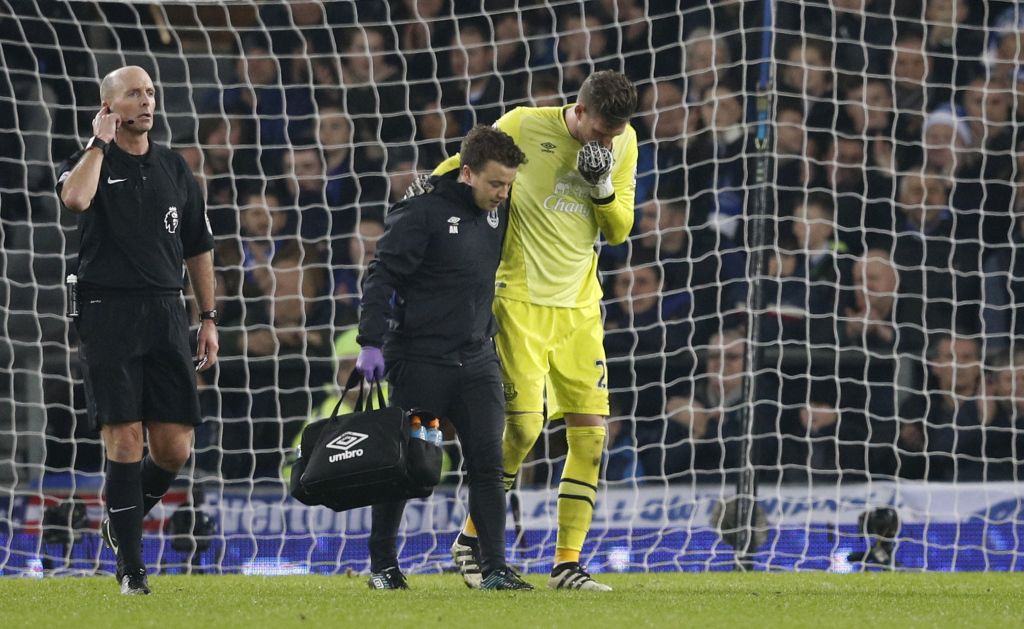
125	510
155	483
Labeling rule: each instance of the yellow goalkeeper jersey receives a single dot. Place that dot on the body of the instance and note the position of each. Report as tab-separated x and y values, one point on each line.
549	257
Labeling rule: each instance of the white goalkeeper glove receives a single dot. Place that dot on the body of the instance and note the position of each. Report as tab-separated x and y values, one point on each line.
420	185
595	165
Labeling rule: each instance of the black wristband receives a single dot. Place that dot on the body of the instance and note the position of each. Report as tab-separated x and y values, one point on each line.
96	143
208	315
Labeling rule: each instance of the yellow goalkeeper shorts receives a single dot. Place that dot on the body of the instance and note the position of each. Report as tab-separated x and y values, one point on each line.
560	347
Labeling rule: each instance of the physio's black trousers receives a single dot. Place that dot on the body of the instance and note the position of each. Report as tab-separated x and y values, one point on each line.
471	397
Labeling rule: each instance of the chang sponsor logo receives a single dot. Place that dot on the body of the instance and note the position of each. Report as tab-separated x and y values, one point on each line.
557	203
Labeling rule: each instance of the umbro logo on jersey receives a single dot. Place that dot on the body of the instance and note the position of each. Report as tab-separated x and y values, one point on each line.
453	225
548	147
109	180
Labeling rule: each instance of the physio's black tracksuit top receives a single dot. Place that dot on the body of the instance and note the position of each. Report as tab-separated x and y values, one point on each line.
427	295
148	215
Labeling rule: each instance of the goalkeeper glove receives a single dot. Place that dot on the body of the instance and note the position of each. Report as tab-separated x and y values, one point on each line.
420	185
595	165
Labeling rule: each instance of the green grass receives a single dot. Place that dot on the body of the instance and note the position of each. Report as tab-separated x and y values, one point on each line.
640	600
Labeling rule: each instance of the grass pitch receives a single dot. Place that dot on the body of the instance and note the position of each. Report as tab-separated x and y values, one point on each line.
640	600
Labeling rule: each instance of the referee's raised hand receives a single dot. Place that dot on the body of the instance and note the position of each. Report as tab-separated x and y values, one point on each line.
105	124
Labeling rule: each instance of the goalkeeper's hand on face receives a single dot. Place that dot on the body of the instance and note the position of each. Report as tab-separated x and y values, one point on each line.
595	162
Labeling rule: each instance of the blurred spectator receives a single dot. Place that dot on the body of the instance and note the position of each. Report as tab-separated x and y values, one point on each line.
305	181
864	209
1003	274
437	132
545	91
401	172
707	62
348	277
861	29
946	140
826	445
794	168
662	133
942	429
227	159
424	30
687	259
475	93
879	318
716	163
822	262
638	321
806	74
263	231
634	36
1003	417
582	48
353	178
700	437
510	51
938	255
982	193
288	347
1005	57
911	99
376	96
954	44
283	112
868	111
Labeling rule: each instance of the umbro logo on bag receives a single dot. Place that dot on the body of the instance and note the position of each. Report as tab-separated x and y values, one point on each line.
345	442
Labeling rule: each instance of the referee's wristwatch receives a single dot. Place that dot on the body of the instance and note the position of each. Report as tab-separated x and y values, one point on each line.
97	143
208	315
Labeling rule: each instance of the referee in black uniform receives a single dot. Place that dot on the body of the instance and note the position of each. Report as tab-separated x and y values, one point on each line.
426	310
140	214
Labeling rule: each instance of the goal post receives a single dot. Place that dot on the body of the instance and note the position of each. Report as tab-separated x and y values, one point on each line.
812	332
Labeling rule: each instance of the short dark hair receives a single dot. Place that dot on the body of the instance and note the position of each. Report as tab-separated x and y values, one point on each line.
823	201
484	144
610	95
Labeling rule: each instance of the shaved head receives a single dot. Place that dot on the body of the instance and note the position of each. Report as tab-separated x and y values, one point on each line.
115	80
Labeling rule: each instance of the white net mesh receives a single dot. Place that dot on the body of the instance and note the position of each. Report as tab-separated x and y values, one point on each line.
884	367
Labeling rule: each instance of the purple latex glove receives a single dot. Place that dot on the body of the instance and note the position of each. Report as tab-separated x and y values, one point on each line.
370	363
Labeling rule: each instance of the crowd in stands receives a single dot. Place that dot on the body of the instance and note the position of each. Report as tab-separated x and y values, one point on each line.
887	343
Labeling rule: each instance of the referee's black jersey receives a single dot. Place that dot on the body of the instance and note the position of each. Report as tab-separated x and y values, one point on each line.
148	215
429	291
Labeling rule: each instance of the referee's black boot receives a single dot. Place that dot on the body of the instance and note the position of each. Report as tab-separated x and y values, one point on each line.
388	579
134	582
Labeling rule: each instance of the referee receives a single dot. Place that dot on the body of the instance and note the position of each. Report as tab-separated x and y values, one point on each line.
436	264
140	214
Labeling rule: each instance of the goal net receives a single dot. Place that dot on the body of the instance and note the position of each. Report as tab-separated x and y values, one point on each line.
865	373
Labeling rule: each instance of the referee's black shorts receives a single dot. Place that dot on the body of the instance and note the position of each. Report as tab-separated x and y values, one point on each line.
136	360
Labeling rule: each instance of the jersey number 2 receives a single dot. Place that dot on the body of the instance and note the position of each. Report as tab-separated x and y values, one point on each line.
602	382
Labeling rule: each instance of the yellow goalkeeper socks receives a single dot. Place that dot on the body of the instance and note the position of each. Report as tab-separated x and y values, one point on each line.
578	490
521	432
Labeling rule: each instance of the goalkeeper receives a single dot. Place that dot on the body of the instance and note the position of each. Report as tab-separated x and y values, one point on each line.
579	178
